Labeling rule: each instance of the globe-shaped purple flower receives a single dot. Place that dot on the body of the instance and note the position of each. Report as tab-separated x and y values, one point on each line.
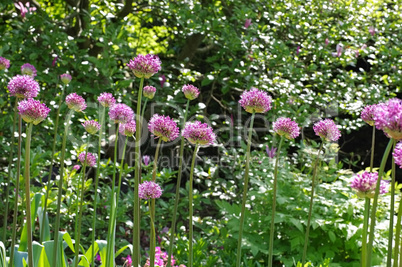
145	66
149	190
287	128
106	100
365	184
368	114
121	113
327	130
163	127
92	127
190	91
28	69
90	159
388	117
127	129
397	154
255	101
65	78
23	86
4	63
198	133
32	111
149	91
76	102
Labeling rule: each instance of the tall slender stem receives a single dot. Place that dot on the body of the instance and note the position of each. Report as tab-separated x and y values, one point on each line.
177	197
311	204
190	208
156	160
144	107
398	234
391	213
375	201
271	232
121	170
364	235
152	241
245	188
28	193
137	180
372	149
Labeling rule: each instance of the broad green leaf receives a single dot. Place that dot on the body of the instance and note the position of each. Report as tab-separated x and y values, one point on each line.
24	235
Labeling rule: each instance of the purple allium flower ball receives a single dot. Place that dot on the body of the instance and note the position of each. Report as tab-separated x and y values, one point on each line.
286	127
190	91
28	69
76	167
23	86
121	113
76	102
146	160
145	66
32	110
149	189
90	159
255	101
327	130
365	184
199	133
368	114
149	91
388	117
92	127
65	78
397	154
163	127
4	63
106	99
127	129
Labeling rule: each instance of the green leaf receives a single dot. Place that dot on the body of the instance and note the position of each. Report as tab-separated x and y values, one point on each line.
24	235
332	236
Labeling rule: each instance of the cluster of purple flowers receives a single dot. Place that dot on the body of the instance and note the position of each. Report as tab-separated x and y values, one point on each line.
161	259
365	184
76	102
92	127
4	63
106	100
89	158
127	129
286	127
23	86
32	111
190	91
163	127
121	113
198	133
255	101
28	69
327	130
149	91
144	66
149	190
388	118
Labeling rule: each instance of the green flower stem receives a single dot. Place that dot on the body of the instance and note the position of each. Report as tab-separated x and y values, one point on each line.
364	235
121	170
156	160
102	123
271	232
152	241
190	208
10	161
137	180
144	107
398	234
60	193
311	204
78	236
28	193
375	201
177	197
17	189
372	149
243	207
392	211
48	185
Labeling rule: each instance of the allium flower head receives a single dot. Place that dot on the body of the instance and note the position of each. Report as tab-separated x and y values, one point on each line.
255	101
92	127
149	91
199	133
190	91
28	69
32	111
163	127
397	154
388	117
365	184
149	189
121	113
76	167
368	114
145	66
65	78
286	127
76	102
327	130
106	99
127	129
4	63
23	86
90	159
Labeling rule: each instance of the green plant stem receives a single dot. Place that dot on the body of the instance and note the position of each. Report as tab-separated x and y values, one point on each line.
102	123
156	159
391	213
375	201
372	149
121	170
60	186
397	232
137	180
152	234
311	204
10	161
48	185
78	236
144	107
17	190
245	188
364	235
190	208
28	194
271	232
177	197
